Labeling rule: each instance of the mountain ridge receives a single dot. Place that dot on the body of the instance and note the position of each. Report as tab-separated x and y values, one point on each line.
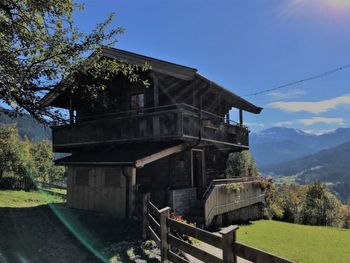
329	165
27	127
280	144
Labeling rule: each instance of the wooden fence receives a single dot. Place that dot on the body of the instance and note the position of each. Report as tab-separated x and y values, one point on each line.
48	185
170	235
17	183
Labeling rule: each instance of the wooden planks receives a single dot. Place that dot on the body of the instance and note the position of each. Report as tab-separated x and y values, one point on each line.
153	222
154	235
256	255
205	236
96	195
175	258
192	250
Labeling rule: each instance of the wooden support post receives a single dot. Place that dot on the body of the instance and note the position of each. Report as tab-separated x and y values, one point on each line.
155	90
241	117
228	240
145	201
228	118
164	246
130	183
71	109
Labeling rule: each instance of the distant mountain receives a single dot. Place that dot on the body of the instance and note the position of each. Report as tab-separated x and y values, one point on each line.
331	166
27	126
278	144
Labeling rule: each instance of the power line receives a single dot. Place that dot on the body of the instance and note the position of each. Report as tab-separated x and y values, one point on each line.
324	74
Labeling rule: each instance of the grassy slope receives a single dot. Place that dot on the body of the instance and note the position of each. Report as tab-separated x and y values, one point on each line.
298	242
9	198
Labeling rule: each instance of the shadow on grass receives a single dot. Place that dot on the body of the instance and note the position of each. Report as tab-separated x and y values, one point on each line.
54	233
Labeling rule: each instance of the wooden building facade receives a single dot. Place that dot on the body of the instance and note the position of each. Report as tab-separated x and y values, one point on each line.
171	139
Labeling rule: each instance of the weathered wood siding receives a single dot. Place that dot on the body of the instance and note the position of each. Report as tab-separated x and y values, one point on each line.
173	172
97	189
215	163
222	200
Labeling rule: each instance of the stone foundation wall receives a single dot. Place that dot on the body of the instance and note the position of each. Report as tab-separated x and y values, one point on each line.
182	201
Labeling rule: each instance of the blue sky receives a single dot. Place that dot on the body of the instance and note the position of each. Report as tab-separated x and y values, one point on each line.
248	46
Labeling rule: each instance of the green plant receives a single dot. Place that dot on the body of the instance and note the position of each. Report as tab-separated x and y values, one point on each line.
234	187
263	182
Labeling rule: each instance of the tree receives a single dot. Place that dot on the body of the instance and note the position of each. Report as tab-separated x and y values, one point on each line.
293	197
273	203
42	50
241	164
10	154
321	207
346	212
43	166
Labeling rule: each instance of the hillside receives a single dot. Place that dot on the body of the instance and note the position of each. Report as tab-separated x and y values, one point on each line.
308	244
278	144
27	126
330	165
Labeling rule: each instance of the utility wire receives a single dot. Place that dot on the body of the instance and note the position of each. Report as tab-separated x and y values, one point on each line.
324	74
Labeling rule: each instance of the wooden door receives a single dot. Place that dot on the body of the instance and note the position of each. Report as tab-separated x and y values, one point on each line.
197	169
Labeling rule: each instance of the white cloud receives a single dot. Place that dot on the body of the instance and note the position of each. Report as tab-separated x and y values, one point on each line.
318	132
289	94
312	107
313	120
283	123
255	124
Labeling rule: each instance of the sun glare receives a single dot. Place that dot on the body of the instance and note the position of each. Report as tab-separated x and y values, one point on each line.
318	9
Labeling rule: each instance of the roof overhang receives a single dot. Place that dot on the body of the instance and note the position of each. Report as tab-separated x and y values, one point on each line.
130	155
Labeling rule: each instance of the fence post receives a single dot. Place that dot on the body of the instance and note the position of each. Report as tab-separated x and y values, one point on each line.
228	240
164	246
145	202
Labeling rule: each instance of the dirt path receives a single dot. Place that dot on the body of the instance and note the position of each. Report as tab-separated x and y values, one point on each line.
35	234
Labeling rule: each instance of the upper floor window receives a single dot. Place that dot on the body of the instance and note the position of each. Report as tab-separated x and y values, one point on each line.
137	101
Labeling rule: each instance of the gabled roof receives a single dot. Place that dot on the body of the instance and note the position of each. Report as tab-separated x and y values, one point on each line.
170	69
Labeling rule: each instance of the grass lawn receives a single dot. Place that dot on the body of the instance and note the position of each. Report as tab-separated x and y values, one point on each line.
298	242
11	198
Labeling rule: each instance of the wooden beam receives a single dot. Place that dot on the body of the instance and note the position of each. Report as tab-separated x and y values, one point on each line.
205	236
257	255
241	117
155	89
159	155
130	185
192	250
228	239
175	258
71	110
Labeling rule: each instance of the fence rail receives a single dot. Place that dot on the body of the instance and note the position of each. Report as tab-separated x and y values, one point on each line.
17	183
170	235
48	185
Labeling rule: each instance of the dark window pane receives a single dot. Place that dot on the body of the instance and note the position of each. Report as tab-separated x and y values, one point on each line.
137	101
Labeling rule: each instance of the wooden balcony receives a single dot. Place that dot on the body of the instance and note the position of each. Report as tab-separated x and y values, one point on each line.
173	122
220	198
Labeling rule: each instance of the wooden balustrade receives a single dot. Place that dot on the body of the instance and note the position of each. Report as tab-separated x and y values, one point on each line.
179	121
169	235
220	199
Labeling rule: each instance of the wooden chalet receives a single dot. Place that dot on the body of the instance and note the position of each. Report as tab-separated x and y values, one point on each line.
171	139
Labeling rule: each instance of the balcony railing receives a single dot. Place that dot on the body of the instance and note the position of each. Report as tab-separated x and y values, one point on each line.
220	199
179	121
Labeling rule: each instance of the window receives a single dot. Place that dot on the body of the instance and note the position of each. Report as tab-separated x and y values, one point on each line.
137	101
82	177
112	178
